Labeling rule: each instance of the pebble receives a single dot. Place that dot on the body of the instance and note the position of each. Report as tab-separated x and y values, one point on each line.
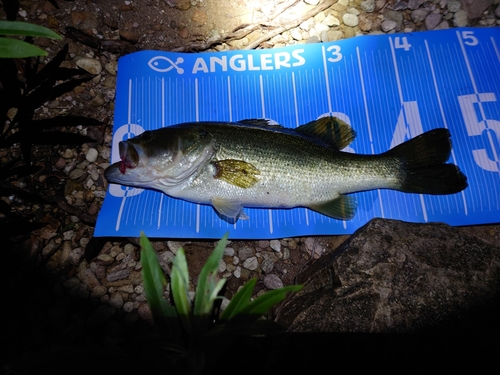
116	300
432	20
92	66
91	155
245	252
368	6
350	19
419	15
388	25
251	263
453	6
275	245
460	19
272	281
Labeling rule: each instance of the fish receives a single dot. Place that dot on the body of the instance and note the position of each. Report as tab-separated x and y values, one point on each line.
252	163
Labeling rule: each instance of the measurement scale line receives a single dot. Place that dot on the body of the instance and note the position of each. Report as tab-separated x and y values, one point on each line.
405	117
368	123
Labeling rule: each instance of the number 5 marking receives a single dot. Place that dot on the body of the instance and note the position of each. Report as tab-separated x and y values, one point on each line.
475	127
469	38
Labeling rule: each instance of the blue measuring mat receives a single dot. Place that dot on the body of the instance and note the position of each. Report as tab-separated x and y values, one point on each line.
389	88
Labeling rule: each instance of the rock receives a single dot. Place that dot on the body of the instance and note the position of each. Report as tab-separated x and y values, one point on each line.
397	17
92	66
460	18
415	4
251	263
245	252
475	8
388	25
400	5
275	245
392	276
75	256
179	4
273	282
118	275
130	35
368	6
330	21
419	15
116	300
365	24
497	11
84	20
91	155
453	6
432	20
350	19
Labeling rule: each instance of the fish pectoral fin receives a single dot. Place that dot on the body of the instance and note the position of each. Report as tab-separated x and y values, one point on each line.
342	208
229	208
236	172
330	130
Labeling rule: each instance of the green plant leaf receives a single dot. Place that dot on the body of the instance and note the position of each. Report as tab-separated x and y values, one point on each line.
268	300
26	29
154	281
240	300
207	289
179	283
17	49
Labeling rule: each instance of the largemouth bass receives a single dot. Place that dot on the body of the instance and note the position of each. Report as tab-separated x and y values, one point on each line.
252	164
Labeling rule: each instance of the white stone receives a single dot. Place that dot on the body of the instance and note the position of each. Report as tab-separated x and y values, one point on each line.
91	155
331	20
460	19
350	19
92	66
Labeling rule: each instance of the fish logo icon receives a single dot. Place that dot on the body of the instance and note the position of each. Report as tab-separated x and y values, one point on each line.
158	63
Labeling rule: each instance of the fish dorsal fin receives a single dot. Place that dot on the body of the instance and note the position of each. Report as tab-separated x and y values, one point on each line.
342	208
331	130
229	208
236	172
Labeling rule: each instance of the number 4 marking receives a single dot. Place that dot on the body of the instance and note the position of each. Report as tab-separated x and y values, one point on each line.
402	42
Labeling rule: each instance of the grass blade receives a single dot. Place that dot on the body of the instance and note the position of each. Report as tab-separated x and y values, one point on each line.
268	300
240	301
207	289
26	29
17	49
154	280
180	283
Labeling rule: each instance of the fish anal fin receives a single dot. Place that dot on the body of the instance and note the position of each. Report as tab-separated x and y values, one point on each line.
229	208
236	172
342	208
330	130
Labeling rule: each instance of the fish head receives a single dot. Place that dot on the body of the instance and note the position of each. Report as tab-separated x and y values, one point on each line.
162	158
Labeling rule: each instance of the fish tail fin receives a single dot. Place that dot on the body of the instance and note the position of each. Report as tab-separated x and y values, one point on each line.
424	168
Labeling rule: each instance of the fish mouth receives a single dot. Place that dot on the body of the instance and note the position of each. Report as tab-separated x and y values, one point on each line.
129	156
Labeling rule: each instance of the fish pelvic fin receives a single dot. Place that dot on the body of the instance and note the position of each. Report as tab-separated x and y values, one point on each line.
423	165
236	172
331	130
229	209
342	208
